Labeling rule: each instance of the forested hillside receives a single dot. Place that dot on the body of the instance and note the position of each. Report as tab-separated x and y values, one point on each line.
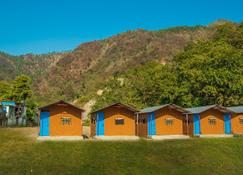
183	65
206	72
85	69
29	64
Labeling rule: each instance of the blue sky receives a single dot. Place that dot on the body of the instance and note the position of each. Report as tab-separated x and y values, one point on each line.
42	26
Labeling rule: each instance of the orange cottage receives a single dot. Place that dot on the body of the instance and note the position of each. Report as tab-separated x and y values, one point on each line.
162	120
211	119
237	119
60	119
114	120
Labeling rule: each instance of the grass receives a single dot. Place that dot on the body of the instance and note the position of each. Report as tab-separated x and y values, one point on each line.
20	154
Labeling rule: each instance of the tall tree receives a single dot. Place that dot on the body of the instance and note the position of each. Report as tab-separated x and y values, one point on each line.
5	90
21	88
210	72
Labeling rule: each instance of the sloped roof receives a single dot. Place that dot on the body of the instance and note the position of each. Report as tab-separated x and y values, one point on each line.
152	109
236	109
155	108
60	102
201	109
120	104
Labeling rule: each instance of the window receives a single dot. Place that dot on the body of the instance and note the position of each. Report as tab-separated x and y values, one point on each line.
241	121
212	121
66	120
169	121
119	121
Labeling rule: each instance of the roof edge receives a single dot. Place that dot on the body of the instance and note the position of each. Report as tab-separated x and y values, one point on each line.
118	103
59	101
235	109
166	105
212	106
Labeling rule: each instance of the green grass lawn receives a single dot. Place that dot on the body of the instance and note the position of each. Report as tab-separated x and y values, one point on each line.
22	155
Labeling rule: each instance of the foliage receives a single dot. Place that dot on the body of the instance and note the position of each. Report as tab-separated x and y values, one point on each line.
231	33
207	72
21	88
31	109
139	87
180	29
81	73
5	90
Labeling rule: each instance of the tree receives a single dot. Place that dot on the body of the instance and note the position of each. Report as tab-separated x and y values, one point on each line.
206	72
31	109
21	88
147	85
5	90
210	73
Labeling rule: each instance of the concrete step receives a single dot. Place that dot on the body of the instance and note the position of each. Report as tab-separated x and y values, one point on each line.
216	135
169	137
59	138
116	138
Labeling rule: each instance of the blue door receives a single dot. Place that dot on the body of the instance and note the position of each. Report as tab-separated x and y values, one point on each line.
44	123
100	123
227	124
151	124
196	124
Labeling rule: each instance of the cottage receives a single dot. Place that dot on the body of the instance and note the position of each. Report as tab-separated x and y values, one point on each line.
161	121
114	120
237	119
60	119
209	120
13	114
9	117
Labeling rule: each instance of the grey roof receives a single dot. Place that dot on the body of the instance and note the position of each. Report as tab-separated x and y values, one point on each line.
201	109
236	109
152	109
155	108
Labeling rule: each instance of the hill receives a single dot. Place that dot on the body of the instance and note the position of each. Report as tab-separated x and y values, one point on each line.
29	64
85	68
80	73
206	72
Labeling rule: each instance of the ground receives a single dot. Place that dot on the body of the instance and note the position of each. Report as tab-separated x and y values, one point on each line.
20	153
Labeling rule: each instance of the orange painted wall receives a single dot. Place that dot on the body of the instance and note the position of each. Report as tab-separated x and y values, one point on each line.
236	127
111	129
212	129
56	127
162	128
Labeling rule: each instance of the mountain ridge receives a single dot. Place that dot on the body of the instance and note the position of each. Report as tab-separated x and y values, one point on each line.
80	72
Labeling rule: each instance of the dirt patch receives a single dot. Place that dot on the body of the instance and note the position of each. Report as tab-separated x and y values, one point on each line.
33	132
